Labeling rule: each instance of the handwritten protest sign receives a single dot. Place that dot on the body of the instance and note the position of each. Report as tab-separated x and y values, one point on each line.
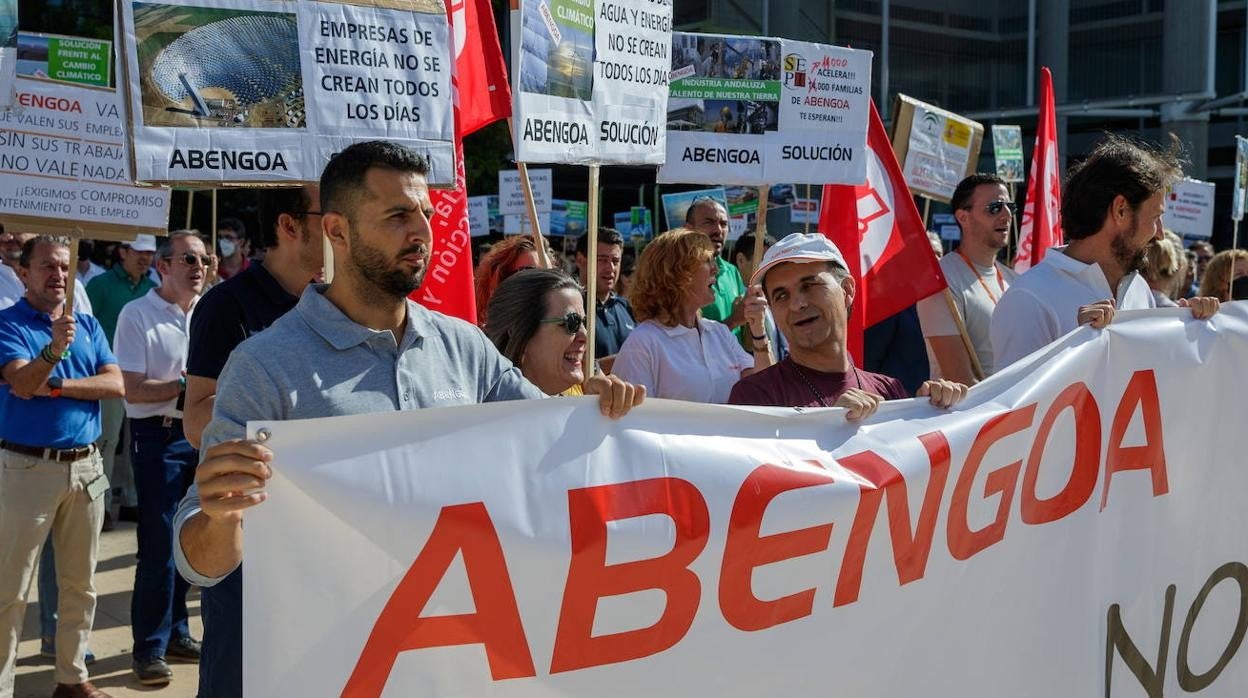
244	91
755	111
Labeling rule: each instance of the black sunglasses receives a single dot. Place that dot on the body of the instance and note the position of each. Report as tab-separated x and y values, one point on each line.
190	258
994	207
572	322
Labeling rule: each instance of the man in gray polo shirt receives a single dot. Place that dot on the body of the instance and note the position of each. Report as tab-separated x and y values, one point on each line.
351	347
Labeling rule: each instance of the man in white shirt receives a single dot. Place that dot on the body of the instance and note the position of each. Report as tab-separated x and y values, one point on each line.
151	344
984	212
1111	211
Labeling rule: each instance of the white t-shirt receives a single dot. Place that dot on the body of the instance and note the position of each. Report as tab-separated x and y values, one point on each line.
152	338
93	270
12	288
1043	304
683	363
974	300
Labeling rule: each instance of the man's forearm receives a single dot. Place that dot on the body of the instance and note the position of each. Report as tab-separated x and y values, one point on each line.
146	390
104	386
26	380
213	548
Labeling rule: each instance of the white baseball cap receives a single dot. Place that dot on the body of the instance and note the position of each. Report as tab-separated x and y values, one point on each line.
799	247
143	243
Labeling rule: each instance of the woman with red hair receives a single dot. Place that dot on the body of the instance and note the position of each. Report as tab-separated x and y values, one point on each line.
505	258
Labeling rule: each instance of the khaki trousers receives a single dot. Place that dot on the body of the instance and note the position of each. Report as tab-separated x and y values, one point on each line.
37	495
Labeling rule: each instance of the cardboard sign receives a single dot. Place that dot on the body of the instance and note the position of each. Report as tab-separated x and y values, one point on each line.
937	148
754	111
590	80
1189	209
64	165
267	91
1007	149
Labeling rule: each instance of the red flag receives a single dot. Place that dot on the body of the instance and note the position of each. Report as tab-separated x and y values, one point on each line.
1042	220
482	96
879	230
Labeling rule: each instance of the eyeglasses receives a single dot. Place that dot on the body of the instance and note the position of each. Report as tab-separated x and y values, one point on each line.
572	322
994	207
190	259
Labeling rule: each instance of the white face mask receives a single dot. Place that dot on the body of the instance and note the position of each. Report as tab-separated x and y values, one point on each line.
228	247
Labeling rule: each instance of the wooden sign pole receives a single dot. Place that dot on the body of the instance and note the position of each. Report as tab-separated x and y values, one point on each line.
591	271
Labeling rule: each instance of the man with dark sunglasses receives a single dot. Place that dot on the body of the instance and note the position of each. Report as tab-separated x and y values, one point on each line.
151	344
985	214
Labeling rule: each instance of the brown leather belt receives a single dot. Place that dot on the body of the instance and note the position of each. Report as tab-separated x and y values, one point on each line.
61	455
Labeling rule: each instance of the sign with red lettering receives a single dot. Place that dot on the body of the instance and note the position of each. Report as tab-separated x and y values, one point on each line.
1063	532
1189	208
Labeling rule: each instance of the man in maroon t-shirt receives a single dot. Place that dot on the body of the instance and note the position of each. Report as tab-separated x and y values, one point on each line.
806	283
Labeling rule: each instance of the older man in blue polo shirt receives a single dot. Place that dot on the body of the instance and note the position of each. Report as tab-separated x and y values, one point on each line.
56	368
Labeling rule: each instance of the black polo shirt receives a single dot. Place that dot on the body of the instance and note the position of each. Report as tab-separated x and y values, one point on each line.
230	312
615	322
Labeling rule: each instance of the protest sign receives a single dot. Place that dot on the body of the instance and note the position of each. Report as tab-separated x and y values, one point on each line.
246	91
635	223
518	223
946	226
805	211
8	51
590	80
568	218
65	58
937	148
478	215
755	111
675	206
1007	149
1240	192
1189	209
1073	528
511	193
64	165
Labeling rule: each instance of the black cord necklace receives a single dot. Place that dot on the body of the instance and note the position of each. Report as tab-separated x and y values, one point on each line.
818	395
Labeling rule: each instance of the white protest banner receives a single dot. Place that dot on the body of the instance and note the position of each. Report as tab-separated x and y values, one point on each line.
1007	149
1074	528
757	111
1189	209
590	80
246	91
63	164
479	215
518	223
511	194
8	51
1240	193
937	148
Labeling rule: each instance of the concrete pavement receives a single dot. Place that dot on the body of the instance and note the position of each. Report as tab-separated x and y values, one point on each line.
111	641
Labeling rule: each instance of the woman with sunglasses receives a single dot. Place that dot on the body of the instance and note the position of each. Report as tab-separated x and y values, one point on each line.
537	320
674	352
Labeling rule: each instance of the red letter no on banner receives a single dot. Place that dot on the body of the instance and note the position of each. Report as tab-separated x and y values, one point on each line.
591	578
465	528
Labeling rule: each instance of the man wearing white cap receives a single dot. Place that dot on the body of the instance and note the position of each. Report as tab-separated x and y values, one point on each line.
810	291
109	293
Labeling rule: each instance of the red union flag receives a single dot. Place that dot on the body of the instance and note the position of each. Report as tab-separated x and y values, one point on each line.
1042	221
482	96
879	230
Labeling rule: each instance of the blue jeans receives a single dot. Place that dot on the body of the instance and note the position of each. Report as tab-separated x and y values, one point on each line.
164	467
221	663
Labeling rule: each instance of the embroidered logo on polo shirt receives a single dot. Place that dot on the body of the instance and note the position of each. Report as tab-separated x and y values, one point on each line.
451	394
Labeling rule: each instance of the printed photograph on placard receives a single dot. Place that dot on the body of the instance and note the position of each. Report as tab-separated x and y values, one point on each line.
1240	191
8	23
724	84
557	52
66	58
217	68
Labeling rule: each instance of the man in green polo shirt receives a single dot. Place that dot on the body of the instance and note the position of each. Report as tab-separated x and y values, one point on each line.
109	293
708	216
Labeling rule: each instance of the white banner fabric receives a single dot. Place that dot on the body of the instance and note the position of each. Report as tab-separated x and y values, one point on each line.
245	91
1074	528
757	111
589	80
64	164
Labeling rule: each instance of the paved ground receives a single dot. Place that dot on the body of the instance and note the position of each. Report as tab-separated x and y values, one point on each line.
114	579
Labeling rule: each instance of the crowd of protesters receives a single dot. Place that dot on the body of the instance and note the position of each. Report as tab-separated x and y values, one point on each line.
134	405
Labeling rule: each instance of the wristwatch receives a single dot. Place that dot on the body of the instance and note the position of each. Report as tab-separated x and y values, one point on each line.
55	383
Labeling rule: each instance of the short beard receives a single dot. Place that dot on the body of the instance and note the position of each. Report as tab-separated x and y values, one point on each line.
377	273
1130	260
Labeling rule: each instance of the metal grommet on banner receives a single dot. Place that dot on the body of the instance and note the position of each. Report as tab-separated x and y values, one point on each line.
263	435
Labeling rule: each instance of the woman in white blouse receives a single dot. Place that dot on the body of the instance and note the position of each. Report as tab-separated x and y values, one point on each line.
674	351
